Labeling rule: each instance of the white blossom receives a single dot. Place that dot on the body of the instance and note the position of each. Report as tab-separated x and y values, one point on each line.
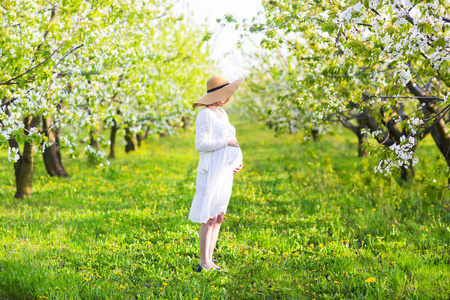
404	156
404	75
13	154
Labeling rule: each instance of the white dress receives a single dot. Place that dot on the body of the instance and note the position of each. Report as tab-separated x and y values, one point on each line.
216	165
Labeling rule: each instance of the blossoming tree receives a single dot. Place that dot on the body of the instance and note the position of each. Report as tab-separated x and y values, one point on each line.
381	68
70	66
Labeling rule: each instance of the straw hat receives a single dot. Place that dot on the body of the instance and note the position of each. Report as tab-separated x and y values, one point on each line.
218	88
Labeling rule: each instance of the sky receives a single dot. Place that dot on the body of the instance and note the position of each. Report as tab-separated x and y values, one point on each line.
224	39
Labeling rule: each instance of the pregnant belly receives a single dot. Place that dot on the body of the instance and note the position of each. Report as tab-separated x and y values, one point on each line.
233	156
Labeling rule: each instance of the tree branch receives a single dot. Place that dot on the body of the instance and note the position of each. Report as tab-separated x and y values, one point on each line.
67	54
375	11
33	68
364	24
349	125
51	4
415	97
428	128
412	69
445	19
14	25
438	113
70	73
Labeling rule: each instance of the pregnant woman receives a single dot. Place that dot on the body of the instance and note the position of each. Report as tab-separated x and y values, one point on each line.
220	159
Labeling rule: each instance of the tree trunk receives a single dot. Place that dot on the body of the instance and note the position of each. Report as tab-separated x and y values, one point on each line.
130	138
94	142
439	130
372	124
24	167
396	134
185	120
93	136
357	131
112	146
51	154
404	173
361	152
13	144
315	134
140	138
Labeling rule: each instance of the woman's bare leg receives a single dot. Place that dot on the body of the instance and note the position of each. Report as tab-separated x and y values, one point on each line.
214	235
205	236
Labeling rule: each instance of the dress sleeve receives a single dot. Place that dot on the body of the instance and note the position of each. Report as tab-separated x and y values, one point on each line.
204	128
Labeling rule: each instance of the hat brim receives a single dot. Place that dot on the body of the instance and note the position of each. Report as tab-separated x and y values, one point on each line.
221	94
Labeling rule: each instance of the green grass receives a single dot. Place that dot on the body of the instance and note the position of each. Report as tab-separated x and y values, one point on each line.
305	221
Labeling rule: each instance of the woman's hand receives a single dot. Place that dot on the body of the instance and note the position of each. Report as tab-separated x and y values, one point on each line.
232	141
237	169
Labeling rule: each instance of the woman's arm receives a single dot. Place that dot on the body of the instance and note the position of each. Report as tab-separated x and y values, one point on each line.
204	127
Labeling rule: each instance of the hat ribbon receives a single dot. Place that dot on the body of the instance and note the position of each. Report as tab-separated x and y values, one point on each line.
217	88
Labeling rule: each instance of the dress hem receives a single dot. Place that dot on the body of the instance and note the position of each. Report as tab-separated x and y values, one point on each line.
214	215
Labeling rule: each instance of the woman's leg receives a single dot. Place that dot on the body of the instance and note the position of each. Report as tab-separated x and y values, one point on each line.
214	235
205	236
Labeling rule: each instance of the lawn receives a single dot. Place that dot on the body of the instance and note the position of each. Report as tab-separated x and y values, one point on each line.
306	220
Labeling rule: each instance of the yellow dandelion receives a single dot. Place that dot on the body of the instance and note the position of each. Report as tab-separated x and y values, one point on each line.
370	280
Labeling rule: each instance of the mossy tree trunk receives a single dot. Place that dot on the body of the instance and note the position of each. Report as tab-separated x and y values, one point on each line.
361	151
396	133
438	129
404	173
186	121
52	154
23	168
112	139
140	137
315	134
94	141
130	138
